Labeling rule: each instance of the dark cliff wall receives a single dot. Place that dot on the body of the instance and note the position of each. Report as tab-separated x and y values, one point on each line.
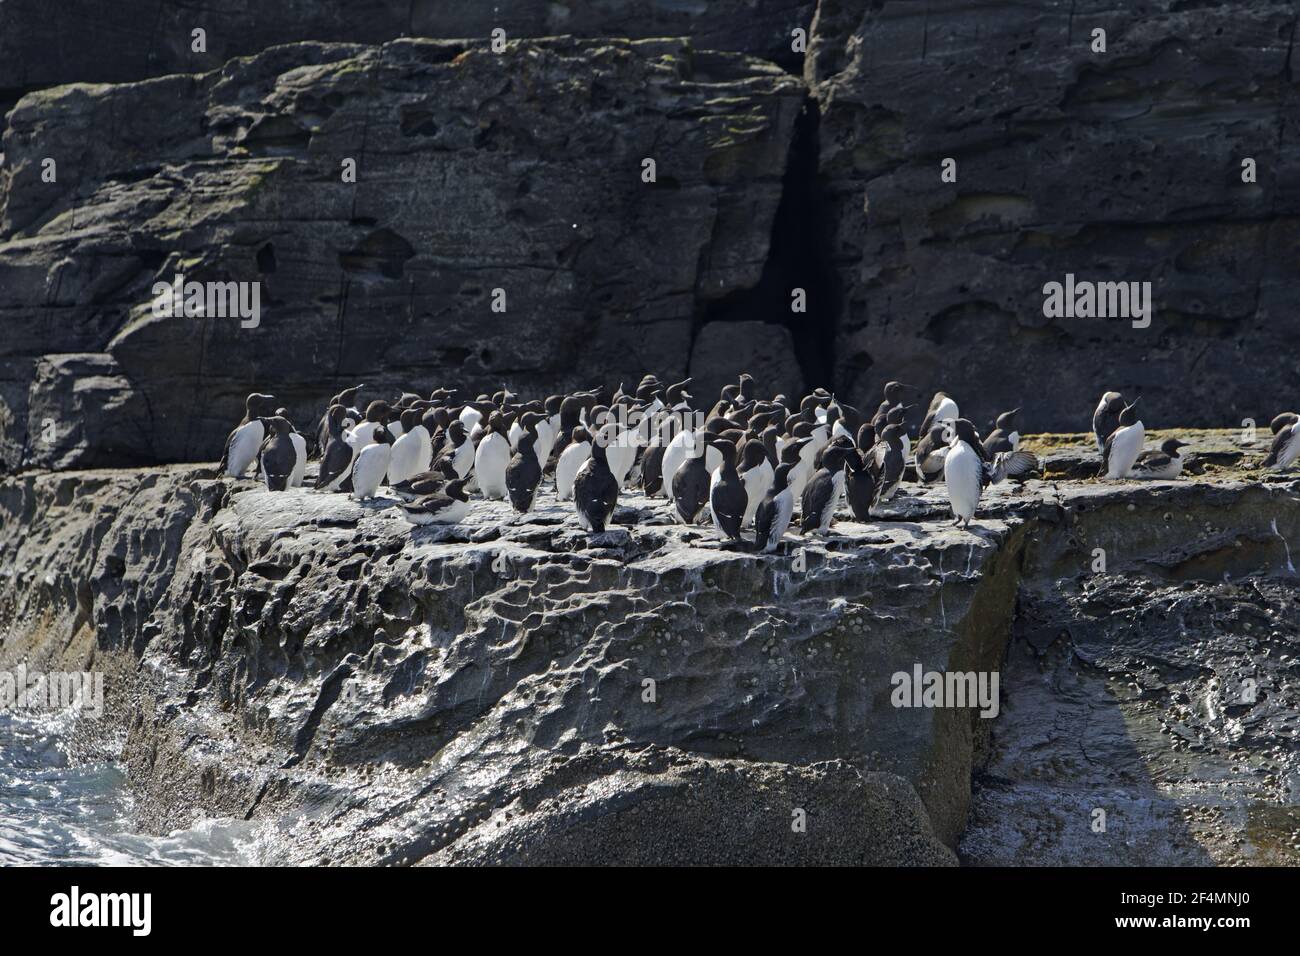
521	171
1116	166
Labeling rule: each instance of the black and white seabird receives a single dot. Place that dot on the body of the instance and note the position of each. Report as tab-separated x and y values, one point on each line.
1124	445
595	490
457	449
1286	447
968	469
347	398
372	464
576	452
448	506
860	485
524	473
1281	421
1004	436
756	472
492	457
411	451
245	441
964	473
728	498
822	494
277	456
774	512
652	475
1164	465
299	448
890	462
425	483
942	409
378	413
336	460
931	451
1105	419
894	394
690	482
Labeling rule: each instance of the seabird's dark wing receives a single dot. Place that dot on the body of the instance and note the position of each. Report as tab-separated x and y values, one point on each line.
1105	455
430	504
337	457
763	519
652	470
1152	460
225	452
816	495
1280	441
1009	464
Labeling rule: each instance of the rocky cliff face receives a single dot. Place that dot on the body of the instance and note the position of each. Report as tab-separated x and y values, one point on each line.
1120	166
499	227
511	691
522	171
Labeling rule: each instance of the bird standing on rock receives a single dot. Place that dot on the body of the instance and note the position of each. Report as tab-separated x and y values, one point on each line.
1286	444
728	497
337	457
408	454
860	485
277	455
968	468
1105	419
491	459
756	472
574	456
245	441
1122	448
823	492
774	513
690	482
595	490
458	449
372	464
524	474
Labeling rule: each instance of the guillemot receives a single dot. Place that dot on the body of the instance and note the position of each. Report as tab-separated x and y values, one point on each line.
1165	464
1105	419
246	440
448	506
1124	445
728	498
371	464
775	511
595	491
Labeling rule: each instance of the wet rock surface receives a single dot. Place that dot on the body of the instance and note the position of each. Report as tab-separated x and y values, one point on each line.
510	690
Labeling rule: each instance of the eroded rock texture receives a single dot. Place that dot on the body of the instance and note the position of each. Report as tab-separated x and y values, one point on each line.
475	172
511	691
1116	166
